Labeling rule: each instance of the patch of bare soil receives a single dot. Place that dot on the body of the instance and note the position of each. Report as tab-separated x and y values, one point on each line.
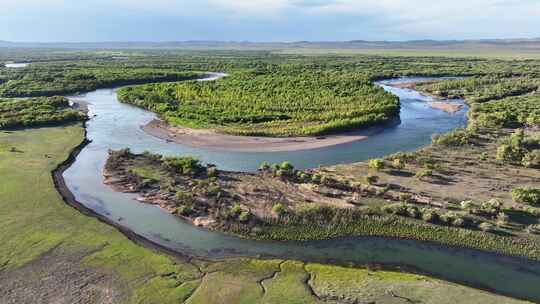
460	173
59	277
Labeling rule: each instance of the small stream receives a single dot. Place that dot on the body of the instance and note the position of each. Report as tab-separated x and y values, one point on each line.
118	126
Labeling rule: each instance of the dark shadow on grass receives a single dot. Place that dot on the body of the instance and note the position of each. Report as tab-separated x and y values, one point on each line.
521	217
400	173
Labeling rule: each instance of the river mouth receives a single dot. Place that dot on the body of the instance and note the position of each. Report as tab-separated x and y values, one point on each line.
117	126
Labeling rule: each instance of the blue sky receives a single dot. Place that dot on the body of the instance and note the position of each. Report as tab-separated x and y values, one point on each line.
266	20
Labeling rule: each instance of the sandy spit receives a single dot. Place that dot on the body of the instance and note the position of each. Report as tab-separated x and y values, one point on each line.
212	140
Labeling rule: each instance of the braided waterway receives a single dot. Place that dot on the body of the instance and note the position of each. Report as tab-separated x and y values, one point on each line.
117	126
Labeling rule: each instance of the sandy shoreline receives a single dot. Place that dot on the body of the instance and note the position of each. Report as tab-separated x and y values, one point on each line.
446	106
439	104
211	140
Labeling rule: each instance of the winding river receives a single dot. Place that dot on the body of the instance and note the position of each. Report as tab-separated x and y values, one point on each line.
117	125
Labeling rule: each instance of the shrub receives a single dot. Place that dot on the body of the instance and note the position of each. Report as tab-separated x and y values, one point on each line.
279	209
214	191
514	148
286	166
467	205
396	209
236	210
531	159
491	207
316	178
184	197
405	197
424	173
303	177
371	179
447	217
403	156
183	165
398	164
502	219
185	210
244	216
505	153
526	195
412	211
212	172
458	137
376	164
484	156
517	138
534	229
532	211
486	227
458	222
264	166
429	215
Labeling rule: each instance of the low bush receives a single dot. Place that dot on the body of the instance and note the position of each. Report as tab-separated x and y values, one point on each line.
183	165
279	209
486	227
376	164
531	159
534	229
526	195
424	173
244	216
429	215
398	164
458	137
371	179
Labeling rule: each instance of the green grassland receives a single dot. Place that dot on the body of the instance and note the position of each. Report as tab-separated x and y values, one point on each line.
46	244
36	222
345	285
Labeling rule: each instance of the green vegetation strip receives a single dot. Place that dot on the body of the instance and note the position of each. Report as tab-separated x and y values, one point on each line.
77	77
36	112
326	223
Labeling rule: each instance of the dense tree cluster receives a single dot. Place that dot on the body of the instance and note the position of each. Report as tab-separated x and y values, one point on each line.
69	78
277	100
483	88
36	112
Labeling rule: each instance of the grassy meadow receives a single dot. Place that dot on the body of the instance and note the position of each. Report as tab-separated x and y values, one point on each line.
52	252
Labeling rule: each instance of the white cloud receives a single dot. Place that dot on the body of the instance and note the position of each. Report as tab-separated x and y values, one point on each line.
252	7
457	17
376	19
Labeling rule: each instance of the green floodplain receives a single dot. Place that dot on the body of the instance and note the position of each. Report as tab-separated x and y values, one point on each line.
47	245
